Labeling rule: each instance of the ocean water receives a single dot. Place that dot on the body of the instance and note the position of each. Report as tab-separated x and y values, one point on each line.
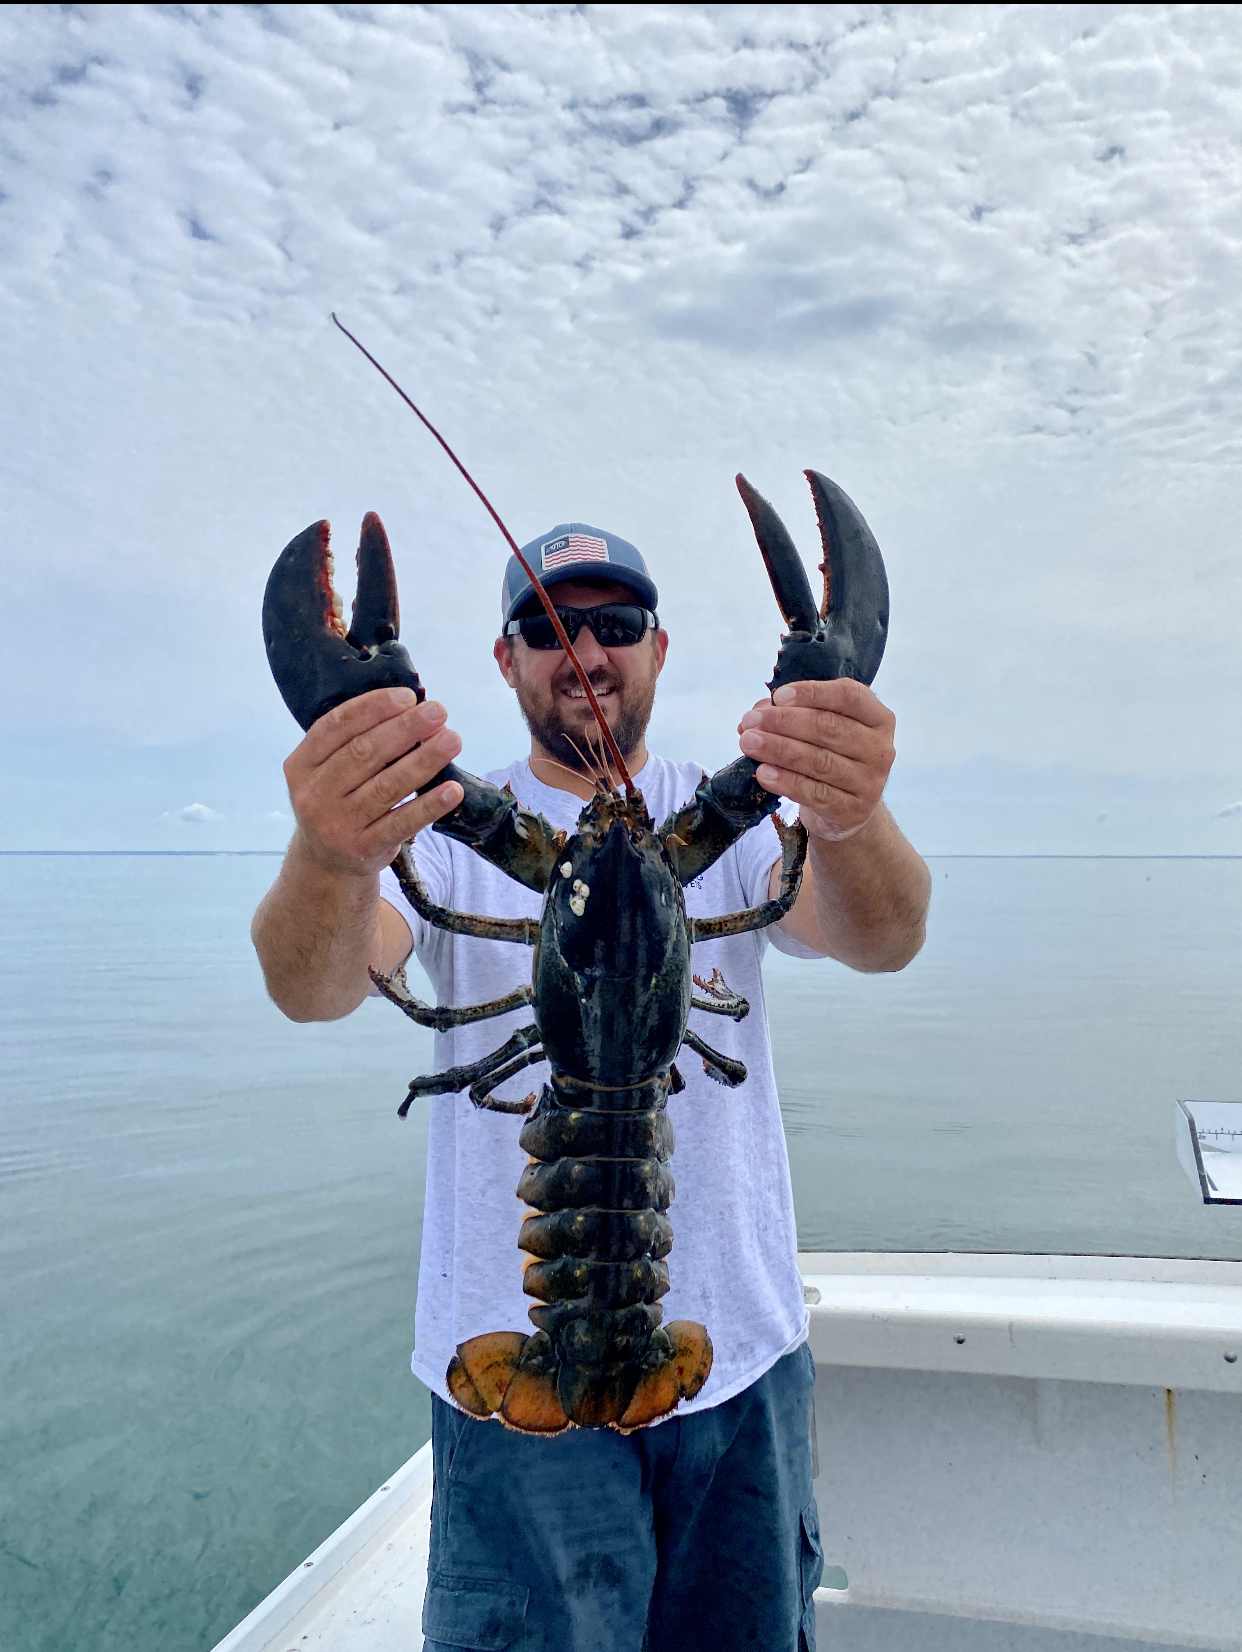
210	1217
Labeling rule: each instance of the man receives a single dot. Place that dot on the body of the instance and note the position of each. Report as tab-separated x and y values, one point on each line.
700	1531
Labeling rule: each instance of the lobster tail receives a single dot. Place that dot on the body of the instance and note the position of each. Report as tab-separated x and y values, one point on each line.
599	1185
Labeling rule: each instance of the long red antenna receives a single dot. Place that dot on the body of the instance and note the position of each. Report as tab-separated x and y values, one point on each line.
540	592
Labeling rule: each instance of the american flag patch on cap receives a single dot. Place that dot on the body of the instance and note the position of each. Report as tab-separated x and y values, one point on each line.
572	547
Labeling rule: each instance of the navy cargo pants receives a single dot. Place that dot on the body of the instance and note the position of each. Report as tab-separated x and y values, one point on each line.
697	1535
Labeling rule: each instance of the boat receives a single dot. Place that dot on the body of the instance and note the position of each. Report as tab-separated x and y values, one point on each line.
1014	1453
1209	1145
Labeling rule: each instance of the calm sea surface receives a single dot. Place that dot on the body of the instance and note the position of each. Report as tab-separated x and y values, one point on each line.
210	1218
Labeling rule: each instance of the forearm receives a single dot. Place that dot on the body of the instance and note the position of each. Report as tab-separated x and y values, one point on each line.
828	747
317	932
869	896
322	924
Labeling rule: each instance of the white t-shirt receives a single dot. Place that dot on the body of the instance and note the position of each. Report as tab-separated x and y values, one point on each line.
733	1264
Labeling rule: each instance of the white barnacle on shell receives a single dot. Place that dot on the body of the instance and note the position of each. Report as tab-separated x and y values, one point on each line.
566	868
577	905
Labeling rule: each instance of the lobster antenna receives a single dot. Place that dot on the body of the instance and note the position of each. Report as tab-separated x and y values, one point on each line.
590	764
564	767
601	756
587	765
536	582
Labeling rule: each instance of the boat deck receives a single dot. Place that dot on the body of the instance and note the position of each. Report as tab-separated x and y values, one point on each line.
1017	1454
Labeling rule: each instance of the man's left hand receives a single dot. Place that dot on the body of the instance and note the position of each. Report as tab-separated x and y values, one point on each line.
827	747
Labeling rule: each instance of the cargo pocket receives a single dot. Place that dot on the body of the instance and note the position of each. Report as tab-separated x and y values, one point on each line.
477	1613
812	1570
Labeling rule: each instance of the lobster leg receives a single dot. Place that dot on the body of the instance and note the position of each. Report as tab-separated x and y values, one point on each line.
457	1078
793	856
491	821
525	931
720	1000
395	989
722	1068
481	1093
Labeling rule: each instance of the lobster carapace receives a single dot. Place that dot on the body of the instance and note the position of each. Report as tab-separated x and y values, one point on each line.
612	982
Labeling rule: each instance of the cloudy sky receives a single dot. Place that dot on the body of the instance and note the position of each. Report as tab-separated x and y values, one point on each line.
980	265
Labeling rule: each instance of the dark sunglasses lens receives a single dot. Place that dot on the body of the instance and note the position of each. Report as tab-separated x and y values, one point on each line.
617	625
537	631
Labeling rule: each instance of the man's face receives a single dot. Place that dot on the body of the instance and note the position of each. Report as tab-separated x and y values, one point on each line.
556	710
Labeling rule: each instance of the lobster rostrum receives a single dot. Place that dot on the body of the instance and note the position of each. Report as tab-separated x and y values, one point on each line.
612	982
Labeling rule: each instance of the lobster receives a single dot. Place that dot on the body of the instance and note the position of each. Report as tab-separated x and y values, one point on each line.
612	981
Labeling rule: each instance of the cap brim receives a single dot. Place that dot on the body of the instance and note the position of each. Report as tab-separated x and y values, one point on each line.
598	573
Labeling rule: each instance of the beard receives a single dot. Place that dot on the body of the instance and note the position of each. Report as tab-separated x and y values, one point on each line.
574	741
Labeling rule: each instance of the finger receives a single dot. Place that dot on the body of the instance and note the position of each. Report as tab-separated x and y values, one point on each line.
338	726
830	729
818	763
370	750
842	810
386	835
842	694
749	717
392	785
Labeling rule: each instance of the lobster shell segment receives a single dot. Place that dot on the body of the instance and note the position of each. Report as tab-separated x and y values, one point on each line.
597	1235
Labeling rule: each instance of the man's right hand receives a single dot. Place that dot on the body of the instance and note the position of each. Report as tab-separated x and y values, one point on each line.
348	776
322	926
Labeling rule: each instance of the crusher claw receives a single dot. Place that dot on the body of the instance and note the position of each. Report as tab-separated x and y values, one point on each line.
316	662
845	636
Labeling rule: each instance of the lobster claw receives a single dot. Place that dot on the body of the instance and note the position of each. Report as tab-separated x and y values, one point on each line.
845	635
316	662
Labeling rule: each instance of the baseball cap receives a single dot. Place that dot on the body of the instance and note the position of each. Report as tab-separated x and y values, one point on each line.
575	550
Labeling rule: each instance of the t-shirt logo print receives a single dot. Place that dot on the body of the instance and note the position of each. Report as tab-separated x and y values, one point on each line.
572	547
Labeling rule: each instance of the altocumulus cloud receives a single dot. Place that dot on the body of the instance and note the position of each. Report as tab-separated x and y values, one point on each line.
1046	188
979	263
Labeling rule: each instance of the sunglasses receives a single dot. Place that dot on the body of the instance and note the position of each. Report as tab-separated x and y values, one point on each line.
613	625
